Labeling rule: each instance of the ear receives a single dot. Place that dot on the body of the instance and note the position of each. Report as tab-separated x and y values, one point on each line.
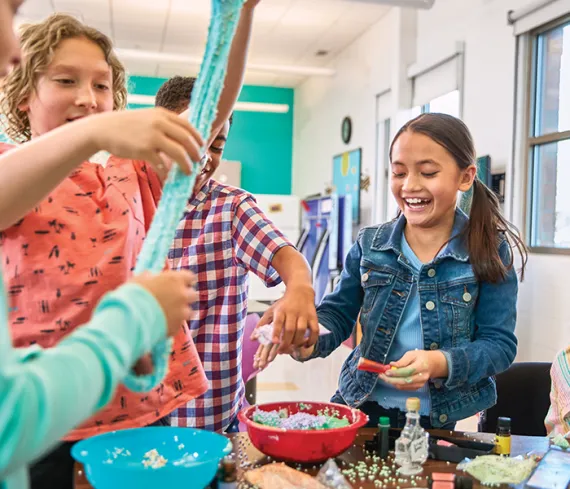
24	105
467	177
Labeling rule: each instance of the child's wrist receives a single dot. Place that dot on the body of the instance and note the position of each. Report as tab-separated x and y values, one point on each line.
440	369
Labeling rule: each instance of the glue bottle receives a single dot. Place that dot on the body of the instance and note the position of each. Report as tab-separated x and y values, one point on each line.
383	439
503	439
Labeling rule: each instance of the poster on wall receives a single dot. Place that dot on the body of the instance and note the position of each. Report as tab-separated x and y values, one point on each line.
346	178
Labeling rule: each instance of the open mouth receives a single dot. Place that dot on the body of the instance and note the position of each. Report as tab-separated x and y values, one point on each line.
417	204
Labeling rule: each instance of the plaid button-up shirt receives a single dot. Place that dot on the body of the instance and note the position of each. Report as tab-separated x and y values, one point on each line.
222	237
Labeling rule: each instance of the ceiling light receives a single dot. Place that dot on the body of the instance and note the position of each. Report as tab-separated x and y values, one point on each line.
135	98
172	58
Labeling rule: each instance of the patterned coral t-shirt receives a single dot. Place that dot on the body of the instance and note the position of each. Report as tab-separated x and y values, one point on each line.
79	243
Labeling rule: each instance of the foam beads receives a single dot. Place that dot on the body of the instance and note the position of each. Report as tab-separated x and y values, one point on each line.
178	186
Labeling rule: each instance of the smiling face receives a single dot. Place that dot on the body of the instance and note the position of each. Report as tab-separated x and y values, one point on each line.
77	82
426	179
214	156
9	45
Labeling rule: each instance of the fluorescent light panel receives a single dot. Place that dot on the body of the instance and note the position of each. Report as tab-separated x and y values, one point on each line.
172	58
134	98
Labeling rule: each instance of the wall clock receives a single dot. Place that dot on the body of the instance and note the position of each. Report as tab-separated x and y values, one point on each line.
346	130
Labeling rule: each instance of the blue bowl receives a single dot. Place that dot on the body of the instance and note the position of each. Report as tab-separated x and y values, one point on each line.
116	459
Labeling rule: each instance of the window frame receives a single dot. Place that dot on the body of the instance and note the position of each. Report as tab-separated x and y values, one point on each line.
532	143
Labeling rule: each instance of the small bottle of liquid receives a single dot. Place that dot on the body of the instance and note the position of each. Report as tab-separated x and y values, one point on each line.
412	446
503	439
383	439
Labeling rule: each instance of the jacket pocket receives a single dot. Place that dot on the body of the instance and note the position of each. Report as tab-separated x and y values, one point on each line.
459	303
373	281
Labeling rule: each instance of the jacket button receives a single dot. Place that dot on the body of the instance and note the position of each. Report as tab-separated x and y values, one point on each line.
431	273
443	418
433	346
467	297
430	306
365	277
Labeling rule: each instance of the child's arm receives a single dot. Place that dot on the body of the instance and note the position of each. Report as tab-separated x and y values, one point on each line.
54	390
339	310
235	71
236	68
557	421
295	312
494	344
31	171
46	393
337	313
262	249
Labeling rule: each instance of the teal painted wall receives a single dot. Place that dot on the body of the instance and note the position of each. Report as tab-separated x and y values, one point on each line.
261	141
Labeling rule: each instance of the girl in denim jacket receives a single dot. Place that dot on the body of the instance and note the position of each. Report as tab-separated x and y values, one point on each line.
435	290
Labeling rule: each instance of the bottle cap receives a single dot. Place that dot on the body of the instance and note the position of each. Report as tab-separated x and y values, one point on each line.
413	404
384	421
504	423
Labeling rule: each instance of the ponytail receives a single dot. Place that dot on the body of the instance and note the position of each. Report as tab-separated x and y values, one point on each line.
485	231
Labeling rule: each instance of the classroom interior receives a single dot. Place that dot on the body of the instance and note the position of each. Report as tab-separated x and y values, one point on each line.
329	83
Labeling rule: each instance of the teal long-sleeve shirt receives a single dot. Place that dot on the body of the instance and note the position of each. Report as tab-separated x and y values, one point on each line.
46	393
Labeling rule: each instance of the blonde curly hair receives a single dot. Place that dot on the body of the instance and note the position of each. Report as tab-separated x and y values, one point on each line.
38	43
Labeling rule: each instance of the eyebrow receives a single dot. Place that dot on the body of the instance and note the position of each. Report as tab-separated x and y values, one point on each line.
420	163
73	69
218	140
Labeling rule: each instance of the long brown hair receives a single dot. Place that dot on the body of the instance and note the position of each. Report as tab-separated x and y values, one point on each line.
38	43
487	225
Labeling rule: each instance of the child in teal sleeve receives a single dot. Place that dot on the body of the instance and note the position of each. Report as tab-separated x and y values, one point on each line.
36	385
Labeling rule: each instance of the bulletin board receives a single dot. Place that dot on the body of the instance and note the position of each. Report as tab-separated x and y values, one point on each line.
346	178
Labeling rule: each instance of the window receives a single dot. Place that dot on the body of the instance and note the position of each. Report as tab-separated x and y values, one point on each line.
446	104
549	140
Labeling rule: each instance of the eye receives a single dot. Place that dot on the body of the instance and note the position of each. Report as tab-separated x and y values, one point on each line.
430	175
101	86
398	175
217	151
65	81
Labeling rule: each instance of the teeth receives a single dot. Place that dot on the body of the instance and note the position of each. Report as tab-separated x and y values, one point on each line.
416	201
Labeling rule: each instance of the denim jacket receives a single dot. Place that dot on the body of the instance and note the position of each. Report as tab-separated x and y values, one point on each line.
471	322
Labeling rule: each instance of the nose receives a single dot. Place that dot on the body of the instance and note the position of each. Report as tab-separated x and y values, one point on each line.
86	97
411	183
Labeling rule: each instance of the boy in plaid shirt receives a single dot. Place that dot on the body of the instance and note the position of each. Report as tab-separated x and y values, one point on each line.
222	236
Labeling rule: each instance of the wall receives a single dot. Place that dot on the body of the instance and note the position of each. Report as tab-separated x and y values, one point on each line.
261	141
489	89
363	70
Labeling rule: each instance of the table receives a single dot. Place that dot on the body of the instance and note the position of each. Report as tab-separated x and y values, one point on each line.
520	445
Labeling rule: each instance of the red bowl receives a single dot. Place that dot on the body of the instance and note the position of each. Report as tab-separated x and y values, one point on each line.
303	446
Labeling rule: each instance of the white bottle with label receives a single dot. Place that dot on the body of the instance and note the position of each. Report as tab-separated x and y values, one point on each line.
412	446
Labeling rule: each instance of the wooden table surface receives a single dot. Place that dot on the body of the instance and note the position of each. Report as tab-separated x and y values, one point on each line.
247	453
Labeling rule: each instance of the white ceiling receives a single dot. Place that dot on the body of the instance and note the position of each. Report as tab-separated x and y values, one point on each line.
286	32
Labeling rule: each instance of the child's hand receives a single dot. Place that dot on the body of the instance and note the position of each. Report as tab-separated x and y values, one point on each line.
416	368
265	354
144	365
174	292
157	136
291	317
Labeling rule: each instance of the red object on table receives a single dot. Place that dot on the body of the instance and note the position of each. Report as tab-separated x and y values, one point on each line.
303	446
370	366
